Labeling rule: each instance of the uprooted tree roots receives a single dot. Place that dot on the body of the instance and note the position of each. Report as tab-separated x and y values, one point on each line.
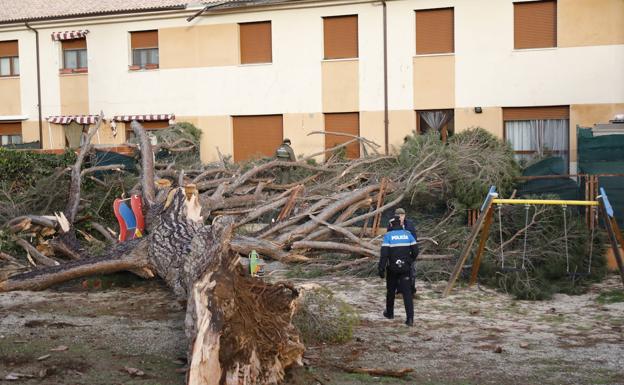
240	330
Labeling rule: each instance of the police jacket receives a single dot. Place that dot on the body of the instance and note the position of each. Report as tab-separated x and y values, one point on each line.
409	226
399	247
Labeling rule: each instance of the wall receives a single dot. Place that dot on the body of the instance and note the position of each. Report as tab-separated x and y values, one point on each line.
491	119
200	76
74	91
340	86
10	103
434	82
30	131
590	22
299	127
199	46
489	72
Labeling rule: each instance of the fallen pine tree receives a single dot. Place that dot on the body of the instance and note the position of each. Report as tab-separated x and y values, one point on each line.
239	329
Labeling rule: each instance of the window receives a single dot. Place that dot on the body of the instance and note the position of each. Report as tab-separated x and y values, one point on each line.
340	37
9	58
75	54
346	123
441	121
10	133
536	132
435	31
144	49
535	24
152	125
257	136
255	42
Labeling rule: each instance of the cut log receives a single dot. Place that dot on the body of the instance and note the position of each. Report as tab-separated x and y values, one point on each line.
397	373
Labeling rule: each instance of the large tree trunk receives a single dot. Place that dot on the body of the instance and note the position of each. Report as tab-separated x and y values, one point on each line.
239	327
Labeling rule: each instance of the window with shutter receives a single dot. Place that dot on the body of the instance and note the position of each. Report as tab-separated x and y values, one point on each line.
75	54
435	31
255	42
10	133
152	125
535	24
340	37
9	58
346	123
144	49
535	132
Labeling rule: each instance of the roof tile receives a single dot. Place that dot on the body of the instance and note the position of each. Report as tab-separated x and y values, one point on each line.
25	10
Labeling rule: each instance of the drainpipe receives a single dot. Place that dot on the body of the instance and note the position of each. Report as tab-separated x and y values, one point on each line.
385	58
38	85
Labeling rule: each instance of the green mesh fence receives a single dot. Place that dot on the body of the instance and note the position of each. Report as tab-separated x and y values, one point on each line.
604	155
596	155
565	188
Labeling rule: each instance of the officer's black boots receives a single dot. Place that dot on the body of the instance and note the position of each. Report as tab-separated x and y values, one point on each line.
409	322
388	315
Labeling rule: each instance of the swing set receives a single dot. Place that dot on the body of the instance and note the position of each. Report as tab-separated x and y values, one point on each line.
486	216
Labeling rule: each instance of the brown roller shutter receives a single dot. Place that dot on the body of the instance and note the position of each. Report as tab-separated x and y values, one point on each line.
535	24
536	113
435	31
8	48
255	42
74	44
144	39
340	37
155	125
11	128
348	123
257	136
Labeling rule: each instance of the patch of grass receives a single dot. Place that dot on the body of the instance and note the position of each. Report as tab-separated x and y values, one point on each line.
605	376
616	322
611	296
362	378
556	319
583	328
324	318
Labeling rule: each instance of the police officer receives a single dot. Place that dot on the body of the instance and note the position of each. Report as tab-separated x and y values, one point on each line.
409	226
286	153
398	253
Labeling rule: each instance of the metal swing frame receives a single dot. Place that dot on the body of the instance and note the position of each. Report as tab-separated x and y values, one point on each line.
484	221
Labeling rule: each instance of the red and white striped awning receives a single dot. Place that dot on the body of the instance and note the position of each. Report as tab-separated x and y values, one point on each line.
69	35
80	119
144	118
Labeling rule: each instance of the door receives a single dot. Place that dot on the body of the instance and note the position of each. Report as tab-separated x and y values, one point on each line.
257	136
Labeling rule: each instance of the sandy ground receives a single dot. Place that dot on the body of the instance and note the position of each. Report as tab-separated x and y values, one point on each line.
77	336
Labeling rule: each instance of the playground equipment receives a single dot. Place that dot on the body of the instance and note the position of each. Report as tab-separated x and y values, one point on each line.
130	218
485	219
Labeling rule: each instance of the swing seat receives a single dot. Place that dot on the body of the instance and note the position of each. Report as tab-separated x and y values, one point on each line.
577	275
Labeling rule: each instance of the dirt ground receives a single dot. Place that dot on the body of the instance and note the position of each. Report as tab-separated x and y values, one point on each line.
77	335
